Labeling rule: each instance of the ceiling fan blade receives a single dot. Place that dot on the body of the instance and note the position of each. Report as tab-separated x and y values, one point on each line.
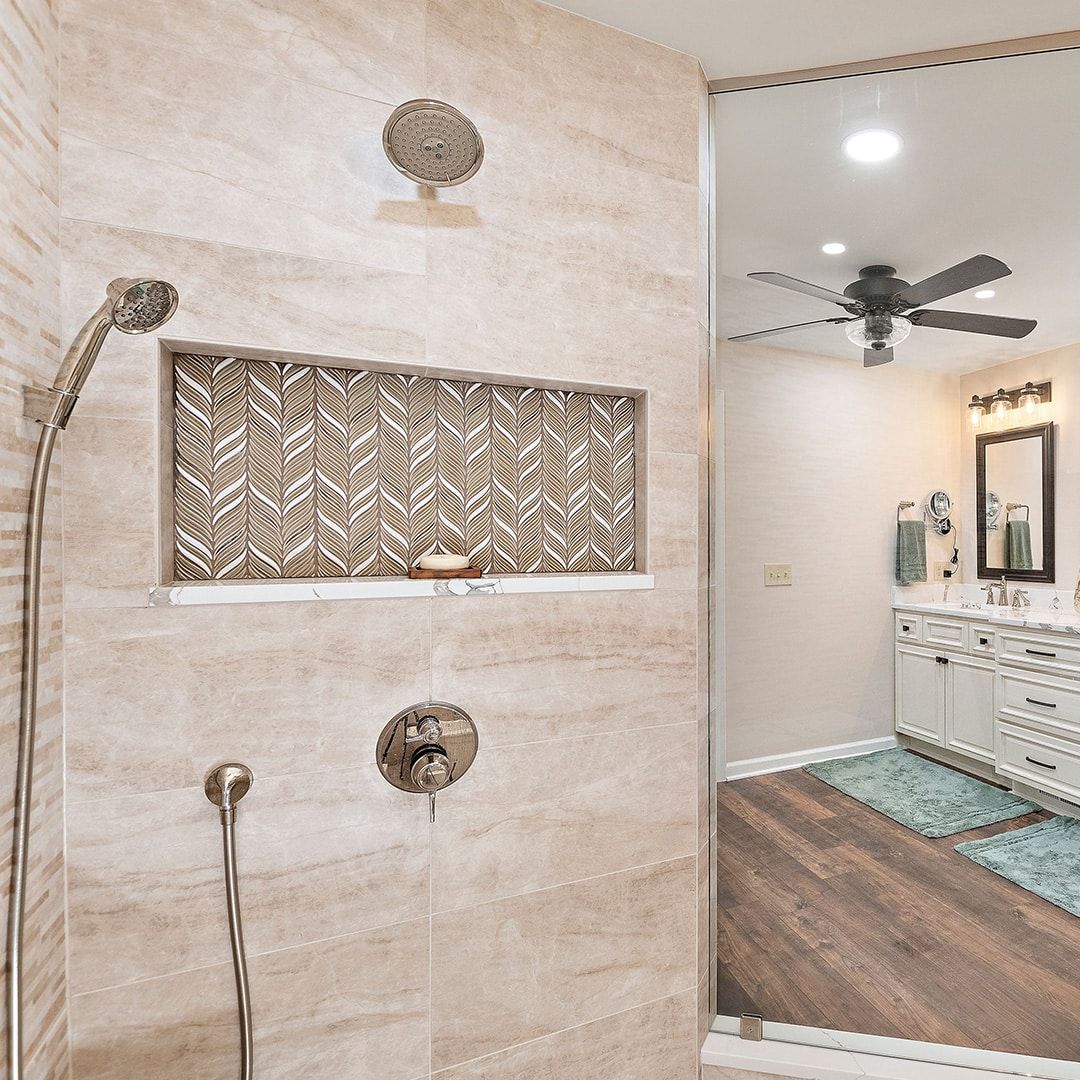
973	323
805	287
975	271
876	357
785	329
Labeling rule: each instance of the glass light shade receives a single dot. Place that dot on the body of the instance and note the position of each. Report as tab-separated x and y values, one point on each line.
1029	398
885	330
976	410
1000	406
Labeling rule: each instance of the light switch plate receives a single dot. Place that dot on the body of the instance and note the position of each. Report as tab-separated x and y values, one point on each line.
777	574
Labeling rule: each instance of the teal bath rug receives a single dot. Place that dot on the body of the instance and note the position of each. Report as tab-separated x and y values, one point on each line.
924	796
1043	858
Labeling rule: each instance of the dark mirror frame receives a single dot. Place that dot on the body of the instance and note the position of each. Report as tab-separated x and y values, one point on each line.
1045	432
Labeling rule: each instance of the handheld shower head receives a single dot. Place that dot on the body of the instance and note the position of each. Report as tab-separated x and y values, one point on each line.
133	306
140	305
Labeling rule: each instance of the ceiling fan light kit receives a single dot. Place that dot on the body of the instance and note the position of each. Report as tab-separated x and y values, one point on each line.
880	306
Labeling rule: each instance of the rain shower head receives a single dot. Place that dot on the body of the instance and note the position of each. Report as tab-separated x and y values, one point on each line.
432	143
140	305
133	306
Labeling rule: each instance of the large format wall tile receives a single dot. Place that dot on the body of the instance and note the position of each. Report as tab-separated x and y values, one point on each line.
233	295
551	959
158	696
30	354
110	512
546	666
352	1006
313	863
543	814
303	41
553	78
654	1042
138	159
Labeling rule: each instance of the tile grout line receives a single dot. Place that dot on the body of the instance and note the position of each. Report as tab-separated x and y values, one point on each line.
361	765
385	926
562	1031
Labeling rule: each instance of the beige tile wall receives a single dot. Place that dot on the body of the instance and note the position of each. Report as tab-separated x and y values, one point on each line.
547	926
29	353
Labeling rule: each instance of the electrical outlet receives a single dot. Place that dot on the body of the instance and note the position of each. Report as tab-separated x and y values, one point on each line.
777	574
939	570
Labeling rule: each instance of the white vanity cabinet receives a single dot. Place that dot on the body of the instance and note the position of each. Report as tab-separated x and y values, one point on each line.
943	695
1007	696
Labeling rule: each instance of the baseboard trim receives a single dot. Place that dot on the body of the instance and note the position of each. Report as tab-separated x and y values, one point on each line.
771	1057
738	770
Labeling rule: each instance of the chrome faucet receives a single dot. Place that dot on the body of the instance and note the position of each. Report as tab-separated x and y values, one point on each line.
1020	599
1003	595
989	593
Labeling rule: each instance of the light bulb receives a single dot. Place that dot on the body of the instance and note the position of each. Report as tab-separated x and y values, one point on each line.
976	410
878	331
1001	404
872	145
1029	398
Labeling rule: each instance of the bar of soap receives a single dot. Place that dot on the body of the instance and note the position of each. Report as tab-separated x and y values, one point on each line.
444	562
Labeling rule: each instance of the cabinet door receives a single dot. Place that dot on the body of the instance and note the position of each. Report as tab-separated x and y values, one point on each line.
969	707
920	694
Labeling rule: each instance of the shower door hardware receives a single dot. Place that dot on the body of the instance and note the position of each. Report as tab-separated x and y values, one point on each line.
427	747
750	1027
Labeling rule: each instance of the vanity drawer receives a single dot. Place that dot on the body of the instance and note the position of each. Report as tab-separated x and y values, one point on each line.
983	640
1056	654
1030	698
908	627
945	633
1041	760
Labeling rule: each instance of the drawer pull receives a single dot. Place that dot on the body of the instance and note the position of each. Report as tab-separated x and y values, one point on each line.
906	628
1041	764
1036	652
984	641
1044	704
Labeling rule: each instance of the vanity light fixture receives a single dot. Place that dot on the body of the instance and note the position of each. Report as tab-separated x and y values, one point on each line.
1017	403
872	145
1000	405
833	248
1030	398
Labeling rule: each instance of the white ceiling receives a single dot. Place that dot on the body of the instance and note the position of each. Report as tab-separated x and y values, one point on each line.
755	37
991	164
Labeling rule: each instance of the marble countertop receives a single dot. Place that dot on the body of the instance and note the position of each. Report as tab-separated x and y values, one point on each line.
1065	622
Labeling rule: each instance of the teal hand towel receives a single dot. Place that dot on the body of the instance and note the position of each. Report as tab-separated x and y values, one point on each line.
1018	545
910	552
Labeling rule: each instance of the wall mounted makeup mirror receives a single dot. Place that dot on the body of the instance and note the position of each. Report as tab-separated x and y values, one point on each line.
1014	482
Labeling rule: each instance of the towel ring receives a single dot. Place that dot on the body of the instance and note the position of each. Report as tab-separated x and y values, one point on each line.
1009	507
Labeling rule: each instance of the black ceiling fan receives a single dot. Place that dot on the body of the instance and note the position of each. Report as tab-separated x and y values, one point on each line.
880	304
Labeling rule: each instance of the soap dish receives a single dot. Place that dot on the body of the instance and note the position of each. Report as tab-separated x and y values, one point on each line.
417	573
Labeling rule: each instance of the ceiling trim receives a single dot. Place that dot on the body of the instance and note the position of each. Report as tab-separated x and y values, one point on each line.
991	50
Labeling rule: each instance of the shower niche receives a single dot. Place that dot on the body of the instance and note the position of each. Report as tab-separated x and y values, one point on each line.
285	467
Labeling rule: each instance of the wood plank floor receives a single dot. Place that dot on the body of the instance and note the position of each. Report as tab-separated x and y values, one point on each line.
833	915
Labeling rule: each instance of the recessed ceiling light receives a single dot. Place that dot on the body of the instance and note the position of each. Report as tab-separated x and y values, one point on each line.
985	294
833	249
874	144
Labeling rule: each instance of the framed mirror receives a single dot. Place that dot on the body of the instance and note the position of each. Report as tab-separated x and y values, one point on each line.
1014	487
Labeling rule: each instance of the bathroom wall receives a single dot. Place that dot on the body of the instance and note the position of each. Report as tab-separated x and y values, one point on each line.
1060	366
29	353
549	925
818	453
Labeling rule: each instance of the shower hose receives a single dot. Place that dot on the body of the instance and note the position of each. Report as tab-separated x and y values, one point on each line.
236	937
